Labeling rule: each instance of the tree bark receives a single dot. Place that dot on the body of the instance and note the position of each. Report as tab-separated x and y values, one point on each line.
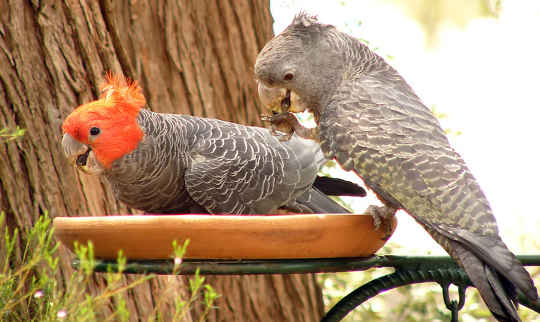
193	57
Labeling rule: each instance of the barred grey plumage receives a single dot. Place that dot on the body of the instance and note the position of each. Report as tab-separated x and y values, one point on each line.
187	164
223	167
372	122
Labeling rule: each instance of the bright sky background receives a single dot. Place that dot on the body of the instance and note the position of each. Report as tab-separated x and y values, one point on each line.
485	78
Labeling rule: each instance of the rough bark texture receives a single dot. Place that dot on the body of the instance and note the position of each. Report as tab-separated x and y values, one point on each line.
193	57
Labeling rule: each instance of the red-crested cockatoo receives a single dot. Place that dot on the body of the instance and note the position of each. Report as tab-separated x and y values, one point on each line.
171	163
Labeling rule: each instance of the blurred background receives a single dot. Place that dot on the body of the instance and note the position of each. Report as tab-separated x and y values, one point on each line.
475	63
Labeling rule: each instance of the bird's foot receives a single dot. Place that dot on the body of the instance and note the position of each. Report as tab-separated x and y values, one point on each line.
382	218
284	117
267	118
288	123
280	128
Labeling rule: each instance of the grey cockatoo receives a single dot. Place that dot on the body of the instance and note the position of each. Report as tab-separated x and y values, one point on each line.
165	163
373	123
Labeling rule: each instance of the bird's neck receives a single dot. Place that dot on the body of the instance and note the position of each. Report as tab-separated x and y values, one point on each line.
145	174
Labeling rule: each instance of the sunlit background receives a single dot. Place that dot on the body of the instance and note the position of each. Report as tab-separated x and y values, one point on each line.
477	63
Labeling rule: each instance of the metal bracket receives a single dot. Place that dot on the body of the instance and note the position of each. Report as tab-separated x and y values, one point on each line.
408	270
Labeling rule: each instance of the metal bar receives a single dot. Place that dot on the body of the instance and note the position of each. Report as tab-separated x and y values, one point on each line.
240	267
288	266
402	277
387	282
409	270
426	262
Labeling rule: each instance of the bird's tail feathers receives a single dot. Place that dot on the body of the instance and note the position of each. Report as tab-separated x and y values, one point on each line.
492	251
314	201
338	187
496	290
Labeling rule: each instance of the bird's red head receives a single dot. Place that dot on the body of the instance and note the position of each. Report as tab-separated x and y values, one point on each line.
108	126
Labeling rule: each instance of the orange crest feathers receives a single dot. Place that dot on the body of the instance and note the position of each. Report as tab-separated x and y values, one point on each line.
114	114
122	90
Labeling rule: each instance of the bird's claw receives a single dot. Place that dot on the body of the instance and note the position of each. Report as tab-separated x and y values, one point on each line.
280	127
282	137
287	117
266	118
382	218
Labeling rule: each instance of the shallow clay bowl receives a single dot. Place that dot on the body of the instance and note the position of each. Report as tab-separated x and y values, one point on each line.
224	236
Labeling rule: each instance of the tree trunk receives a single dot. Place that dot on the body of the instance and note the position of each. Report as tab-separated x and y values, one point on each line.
193	57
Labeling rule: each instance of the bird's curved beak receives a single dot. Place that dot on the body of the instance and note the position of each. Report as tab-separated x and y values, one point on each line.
80	155
271	97
280	99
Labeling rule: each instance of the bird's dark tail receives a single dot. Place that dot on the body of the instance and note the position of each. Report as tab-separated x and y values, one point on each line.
314	201
496	290
338	187
492	268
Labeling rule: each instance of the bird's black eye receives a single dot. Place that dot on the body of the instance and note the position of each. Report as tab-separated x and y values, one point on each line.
288	76
94	131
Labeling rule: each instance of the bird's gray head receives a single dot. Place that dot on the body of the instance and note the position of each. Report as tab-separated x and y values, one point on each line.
299	61
301	65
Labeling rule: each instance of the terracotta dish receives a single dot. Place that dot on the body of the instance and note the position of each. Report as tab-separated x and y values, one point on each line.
224	236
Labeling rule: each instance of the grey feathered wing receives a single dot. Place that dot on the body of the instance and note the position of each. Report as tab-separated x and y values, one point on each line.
378	127
245	170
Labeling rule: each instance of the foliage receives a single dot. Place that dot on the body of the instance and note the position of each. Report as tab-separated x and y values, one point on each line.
432	15
32	290
6	136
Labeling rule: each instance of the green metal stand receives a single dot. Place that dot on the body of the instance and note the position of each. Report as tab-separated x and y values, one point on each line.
408	270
